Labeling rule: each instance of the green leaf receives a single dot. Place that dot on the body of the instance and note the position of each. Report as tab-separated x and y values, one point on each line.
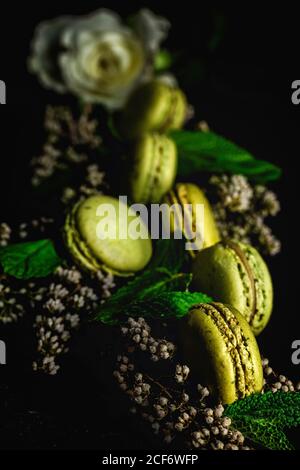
263	417
30	259
147	284
173	304
169	253
207	151
163	60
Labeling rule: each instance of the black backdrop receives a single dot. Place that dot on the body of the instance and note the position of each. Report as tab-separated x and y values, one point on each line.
245	95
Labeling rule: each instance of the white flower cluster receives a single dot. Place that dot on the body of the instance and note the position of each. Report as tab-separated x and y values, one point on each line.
62	304
93	183
11	302
241	209
5	233
275	382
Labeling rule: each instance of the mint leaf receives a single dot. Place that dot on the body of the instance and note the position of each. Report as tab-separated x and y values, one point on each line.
168	253
30	259
173	304
148	284
207	151
263	417
163	60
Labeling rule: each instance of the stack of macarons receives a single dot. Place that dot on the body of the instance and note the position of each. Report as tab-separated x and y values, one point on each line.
218	338
153	109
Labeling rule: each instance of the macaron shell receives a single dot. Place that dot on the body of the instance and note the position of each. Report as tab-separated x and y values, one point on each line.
253	349
203	348
80	252
264	289
154	168
222	351
180	114
187	193
77	248
177	112
122	255
146	109
191	194
218	272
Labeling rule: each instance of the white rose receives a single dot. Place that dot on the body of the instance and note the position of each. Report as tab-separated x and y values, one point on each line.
96	57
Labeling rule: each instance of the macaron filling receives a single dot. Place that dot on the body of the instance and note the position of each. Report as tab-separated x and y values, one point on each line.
246	273
161	165
253	283
178	198
201	233
260	290
77	247
174	107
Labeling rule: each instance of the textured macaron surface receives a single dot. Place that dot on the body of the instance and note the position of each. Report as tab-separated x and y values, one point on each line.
99	234
187	195
222	349
154	106
154	167
236	274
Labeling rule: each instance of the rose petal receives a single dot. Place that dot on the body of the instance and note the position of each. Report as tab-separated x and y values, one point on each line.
45	48
152	29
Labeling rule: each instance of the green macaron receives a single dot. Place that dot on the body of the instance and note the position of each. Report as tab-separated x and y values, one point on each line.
222	351
97	234
236	274
154	106
154	165
198	227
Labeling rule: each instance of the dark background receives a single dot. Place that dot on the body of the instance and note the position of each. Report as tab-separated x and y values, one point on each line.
243	90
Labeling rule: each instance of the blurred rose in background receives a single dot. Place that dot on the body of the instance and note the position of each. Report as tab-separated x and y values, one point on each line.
97	57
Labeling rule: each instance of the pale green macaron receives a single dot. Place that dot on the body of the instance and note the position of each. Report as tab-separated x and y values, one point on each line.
154	166
98	235
236	274
154	106
198	227
222	351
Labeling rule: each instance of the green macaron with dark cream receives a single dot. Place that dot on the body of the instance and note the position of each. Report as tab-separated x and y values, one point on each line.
154	106
153	167
222	351
98	235
191	214
235	273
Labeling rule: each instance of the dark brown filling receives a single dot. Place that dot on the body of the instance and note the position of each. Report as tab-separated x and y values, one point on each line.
239	252
240	353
